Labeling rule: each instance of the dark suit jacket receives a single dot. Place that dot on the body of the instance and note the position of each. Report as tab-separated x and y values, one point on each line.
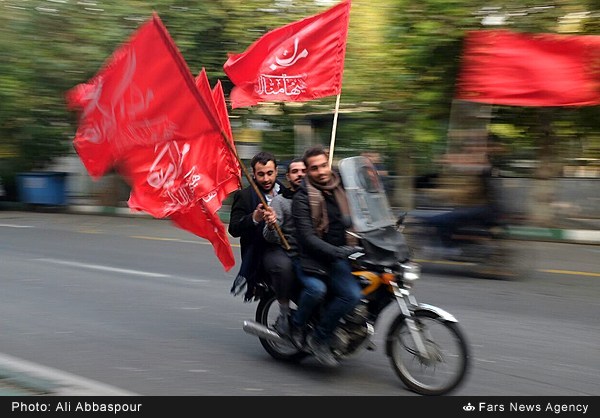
252	241
240	219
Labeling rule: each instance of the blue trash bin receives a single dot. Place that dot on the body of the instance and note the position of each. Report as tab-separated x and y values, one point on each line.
42	188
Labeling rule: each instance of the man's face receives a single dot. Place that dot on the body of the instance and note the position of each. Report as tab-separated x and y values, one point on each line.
318	169
295	174
265	175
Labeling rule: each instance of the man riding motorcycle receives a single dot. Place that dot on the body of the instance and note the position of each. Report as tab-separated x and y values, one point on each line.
321	217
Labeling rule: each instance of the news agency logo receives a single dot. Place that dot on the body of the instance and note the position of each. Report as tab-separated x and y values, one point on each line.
468	407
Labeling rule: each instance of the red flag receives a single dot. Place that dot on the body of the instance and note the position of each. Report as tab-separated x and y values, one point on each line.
144	95
520	69
185	180
297	62
226	167
188	180
221	105
209	226
228	182
144	115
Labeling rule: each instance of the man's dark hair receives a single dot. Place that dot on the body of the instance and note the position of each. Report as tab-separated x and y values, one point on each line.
295	160
262	157
313	152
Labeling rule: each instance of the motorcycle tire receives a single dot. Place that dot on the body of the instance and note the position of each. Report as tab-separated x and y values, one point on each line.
267	312
445	342
508	261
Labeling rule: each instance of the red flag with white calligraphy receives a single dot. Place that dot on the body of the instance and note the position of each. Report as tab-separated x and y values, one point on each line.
202	218
301	61
144	115
530	69
143	96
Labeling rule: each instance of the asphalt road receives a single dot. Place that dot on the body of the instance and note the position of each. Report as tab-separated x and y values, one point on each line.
137	305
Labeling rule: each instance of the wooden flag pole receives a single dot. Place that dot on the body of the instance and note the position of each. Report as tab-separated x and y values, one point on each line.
217	125
333	129
284	241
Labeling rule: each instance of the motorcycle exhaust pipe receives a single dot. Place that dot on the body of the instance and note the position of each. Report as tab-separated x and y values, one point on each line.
255	328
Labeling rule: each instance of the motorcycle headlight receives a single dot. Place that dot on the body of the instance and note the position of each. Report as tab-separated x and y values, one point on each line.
410	271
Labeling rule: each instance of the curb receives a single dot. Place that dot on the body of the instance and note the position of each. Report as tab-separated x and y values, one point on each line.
19	377
105	210
583	236
117	211
580	236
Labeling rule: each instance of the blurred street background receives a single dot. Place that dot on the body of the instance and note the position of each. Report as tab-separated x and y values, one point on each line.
402	64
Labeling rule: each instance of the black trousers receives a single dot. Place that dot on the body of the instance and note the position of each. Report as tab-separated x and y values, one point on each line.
278	265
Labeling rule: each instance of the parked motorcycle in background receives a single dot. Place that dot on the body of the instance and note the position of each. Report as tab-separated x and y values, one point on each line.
425	345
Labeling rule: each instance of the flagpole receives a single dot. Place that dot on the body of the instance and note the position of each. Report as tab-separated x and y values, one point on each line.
335	116
228	141
284	241
215	122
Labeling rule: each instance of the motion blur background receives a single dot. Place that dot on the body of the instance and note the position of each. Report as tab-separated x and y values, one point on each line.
402	62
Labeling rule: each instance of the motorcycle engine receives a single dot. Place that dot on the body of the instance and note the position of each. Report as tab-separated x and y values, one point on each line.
353	330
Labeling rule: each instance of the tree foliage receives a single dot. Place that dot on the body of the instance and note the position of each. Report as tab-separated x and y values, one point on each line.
401	63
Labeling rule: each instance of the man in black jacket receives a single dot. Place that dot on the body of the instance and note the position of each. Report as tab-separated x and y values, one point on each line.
247	221
280	261
321	217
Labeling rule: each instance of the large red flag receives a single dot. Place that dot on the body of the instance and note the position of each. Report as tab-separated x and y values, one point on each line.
143	96
144	115
208	226
520	69
297	62
202	219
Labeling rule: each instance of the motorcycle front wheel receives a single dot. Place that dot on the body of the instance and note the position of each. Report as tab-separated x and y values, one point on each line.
267	313
446	363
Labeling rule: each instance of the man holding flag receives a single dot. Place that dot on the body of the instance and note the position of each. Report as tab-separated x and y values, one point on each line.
247	220
298	62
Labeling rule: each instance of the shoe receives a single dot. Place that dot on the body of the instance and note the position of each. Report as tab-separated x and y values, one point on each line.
297	335
282	325
321	351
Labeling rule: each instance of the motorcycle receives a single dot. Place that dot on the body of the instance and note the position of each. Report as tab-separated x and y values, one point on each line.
426	347
484	249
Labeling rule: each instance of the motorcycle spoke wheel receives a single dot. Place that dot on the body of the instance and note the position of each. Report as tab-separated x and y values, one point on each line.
267	313
445	365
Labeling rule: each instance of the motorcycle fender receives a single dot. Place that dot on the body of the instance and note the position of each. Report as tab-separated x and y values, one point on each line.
446	316
439	312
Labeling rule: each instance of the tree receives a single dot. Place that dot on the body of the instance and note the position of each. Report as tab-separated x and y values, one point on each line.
401	64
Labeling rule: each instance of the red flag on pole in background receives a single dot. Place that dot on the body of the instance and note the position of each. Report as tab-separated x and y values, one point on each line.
297	62
524	69
144	115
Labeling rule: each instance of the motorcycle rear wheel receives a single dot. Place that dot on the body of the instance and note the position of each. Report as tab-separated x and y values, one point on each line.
449	355
267	312
507	261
